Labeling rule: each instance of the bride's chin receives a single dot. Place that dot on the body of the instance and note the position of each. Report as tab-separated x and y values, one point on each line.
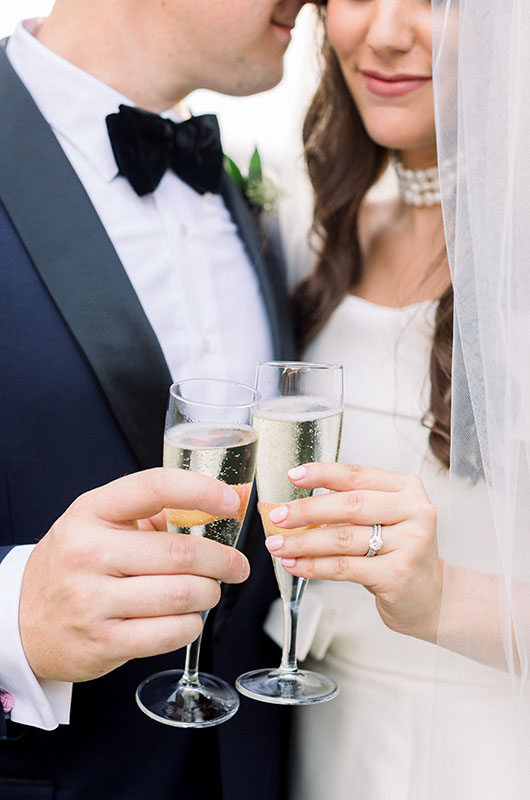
416	147
397	131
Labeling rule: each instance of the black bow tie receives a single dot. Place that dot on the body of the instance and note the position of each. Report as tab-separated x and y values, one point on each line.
146	145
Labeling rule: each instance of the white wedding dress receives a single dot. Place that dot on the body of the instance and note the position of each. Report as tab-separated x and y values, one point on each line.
376	740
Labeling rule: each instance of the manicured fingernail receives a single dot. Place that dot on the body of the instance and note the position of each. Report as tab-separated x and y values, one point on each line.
288	562
274	542
245	572
231	497
297	472
278	514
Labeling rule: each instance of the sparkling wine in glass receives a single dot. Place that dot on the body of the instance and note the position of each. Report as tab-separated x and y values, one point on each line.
298	418
208	431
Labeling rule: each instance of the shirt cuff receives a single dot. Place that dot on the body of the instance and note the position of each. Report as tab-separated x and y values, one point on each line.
39	703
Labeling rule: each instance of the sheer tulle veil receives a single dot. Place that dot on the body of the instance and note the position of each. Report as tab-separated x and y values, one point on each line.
481	56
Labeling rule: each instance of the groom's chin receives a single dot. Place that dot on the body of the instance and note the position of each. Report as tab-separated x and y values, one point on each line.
256	81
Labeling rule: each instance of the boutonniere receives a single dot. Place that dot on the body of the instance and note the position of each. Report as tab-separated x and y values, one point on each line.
258	187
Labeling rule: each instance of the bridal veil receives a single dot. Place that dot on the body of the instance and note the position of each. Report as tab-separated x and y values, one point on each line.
481	57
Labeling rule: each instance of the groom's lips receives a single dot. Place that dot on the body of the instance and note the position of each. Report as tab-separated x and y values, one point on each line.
285	26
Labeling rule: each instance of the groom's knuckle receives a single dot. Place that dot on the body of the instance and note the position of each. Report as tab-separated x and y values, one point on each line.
152	485
233	561
180	552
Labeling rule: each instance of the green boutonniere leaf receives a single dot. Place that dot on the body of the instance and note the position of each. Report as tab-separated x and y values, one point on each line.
259	189
255	171
235	173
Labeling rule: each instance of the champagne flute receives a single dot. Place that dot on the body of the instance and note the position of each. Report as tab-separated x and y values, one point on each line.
298	419
207	430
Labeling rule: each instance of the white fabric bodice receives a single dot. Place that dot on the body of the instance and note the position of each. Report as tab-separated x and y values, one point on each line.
374	741
385	352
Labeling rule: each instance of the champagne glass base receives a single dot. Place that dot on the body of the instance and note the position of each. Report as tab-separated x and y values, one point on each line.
210	703
300	688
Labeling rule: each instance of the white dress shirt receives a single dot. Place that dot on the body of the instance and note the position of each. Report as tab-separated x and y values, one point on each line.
188	267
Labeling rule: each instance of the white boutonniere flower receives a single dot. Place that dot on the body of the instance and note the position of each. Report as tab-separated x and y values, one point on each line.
258	187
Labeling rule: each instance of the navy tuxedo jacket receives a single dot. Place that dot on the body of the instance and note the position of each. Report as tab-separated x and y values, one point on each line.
84	389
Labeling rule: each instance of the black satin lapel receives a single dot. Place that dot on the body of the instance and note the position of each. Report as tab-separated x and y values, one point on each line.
269	268
75	258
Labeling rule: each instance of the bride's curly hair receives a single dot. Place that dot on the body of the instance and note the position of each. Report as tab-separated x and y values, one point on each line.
343	163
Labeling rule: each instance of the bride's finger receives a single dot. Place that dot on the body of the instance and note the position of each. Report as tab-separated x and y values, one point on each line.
367	571
357	508
344	477
353	540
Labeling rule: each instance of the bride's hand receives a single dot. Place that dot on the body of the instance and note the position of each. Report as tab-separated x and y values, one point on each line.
406	574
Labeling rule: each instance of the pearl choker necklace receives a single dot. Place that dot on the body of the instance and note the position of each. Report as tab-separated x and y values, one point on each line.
418	187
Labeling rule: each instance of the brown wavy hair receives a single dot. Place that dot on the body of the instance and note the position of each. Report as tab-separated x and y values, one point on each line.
343	163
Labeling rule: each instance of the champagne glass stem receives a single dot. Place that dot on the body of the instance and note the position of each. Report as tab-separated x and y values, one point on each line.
207	431
191	667
291	608
298	418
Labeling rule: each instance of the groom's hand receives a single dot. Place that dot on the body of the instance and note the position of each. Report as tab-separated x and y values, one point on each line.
103	586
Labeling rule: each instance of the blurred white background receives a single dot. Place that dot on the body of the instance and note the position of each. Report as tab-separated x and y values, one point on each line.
13	10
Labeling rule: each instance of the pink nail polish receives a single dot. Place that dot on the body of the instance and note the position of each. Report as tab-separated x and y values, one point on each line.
297	472
288	562
274	542
278	514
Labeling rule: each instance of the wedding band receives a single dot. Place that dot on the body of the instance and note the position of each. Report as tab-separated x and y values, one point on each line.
376	542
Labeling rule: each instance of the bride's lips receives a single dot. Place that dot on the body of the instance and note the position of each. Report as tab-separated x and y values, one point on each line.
393	85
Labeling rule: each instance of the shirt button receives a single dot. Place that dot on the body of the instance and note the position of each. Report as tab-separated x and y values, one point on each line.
183	229
206	345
